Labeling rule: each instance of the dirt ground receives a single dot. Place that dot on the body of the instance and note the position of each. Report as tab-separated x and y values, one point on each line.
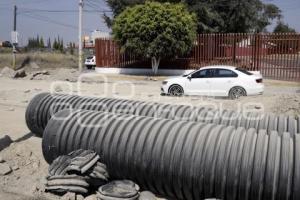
24	154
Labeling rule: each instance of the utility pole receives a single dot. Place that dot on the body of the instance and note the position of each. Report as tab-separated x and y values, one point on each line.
80	36
14	37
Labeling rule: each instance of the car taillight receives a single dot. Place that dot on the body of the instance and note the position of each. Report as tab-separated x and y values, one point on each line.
259	80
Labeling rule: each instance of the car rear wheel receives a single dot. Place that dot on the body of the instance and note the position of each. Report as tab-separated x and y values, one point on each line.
89	66
176	90
237	92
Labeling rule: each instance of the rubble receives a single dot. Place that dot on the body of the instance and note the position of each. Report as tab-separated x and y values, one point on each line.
5	141
5	169
79	197
15	168
44	72
92	197
7	72
146	195
69	196
76	172
19	74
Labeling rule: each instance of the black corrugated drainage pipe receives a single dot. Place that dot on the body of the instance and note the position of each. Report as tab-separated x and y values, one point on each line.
182	160
44	105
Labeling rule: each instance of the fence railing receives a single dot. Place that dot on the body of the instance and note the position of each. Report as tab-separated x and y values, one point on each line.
277	56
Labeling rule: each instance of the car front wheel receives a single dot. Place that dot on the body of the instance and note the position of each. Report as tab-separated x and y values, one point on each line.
176	90
237	92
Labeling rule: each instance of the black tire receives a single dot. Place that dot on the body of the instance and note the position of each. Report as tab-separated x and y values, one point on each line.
236	92
176	90
89	66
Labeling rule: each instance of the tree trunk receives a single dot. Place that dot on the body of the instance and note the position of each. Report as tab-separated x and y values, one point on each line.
155	63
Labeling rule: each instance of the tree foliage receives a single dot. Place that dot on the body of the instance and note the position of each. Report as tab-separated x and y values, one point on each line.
155	30
213	16
35	42
281	27
58	44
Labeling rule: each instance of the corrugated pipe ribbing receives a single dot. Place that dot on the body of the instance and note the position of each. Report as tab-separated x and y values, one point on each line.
182	160
44	105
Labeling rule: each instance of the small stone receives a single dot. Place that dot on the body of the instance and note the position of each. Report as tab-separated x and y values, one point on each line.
35	165
79	197
2	160
91	197
44	72
27	91
34	189
58	89
4	169
257	107
19	73
69	196
146	195
15	168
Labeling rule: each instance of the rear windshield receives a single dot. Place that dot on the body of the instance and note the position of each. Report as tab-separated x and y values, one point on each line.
89	57
244	71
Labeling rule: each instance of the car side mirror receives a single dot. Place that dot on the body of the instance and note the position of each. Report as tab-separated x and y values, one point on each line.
189	77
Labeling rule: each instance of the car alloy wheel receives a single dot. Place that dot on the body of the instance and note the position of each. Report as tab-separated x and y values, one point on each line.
176	90
236	92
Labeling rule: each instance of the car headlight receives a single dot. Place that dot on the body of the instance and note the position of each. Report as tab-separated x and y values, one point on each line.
165	82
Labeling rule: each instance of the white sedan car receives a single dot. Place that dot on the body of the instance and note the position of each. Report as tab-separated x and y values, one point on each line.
90	62
215	81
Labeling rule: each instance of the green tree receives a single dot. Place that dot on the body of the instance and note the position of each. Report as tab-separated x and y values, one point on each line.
155	30
71	46
55	44
218	15
41	43
281	27
49	43
61	45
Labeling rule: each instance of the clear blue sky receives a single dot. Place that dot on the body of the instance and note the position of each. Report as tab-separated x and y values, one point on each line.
49	24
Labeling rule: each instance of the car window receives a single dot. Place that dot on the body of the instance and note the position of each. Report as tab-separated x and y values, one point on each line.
206	73
225	73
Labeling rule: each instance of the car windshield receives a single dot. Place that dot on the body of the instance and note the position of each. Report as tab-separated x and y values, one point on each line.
186	75
244	71
91	57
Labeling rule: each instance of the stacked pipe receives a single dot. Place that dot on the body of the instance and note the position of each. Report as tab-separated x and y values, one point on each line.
44	105
180	159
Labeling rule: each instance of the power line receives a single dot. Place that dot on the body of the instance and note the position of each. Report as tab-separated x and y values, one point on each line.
46	19
28	10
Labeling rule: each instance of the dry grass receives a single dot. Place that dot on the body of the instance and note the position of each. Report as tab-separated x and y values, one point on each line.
40	59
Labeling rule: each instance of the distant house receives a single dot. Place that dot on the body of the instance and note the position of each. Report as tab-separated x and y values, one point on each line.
89	41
